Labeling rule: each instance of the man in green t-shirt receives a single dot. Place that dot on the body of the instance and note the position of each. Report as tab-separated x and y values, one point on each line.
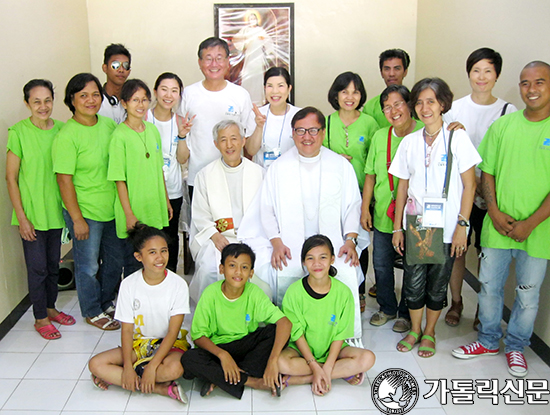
516	186
394	64
231	350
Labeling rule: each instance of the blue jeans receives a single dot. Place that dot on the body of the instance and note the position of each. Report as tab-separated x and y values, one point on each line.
383	259
98	265
530	272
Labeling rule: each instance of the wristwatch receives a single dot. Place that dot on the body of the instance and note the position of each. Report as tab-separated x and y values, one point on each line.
462	222
353	239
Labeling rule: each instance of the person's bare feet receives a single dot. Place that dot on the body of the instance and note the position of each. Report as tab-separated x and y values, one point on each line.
100	383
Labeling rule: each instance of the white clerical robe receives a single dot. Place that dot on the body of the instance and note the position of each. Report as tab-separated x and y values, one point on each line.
280	211
213	201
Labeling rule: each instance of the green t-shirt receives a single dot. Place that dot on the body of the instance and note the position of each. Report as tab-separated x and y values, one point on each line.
359	135
320	321
224	321
372	107
376	165
37	182
83	152
143	175
517	152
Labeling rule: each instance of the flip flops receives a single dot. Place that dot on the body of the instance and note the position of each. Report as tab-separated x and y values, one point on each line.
63	319
181	396
205	389
98	382
407	345
360	378
427	348
48	332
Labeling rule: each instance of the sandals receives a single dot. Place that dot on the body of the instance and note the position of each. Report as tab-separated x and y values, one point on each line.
427	348
48	332
108	326
100	383
63	319
181	396
452	318
362	302
282	382
359	378
111	311
205	389
407	345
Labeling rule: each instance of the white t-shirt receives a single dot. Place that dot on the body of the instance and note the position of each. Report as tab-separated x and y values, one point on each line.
117	113
172	170
310	179
409	163
277	132
476	118
150	307
231	103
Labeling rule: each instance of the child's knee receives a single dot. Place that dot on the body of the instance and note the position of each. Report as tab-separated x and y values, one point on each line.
172	370
284	364
366	360
94	364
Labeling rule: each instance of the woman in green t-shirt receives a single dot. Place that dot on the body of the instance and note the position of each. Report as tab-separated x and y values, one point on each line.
37	204
80	158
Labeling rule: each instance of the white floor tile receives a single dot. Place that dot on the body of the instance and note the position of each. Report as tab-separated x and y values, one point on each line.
218	400
74	342
431	411
345	397
8	412
294	398
95	413
156	403
86	397
432	401
40	395
23	342
26	322
384	339
388	360
58	366
285	412
210	412
109	340
15	365
7	386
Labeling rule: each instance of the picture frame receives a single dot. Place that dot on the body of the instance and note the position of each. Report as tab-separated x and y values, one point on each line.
260	36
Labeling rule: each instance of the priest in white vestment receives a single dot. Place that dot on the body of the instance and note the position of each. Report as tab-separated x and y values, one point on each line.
223	191
308	190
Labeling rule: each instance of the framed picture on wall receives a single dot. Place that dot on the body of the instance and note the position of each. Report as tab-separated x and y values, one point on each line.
260	36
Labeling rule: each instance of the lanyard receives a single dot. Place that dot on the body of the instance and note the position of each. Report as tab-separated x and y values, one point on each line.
171	130
282	126
426	167
388	162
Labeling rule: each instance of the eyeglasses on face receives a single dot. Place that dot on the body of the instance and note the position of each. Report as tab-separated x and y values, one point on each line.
116	64
302	131
398	105
219	59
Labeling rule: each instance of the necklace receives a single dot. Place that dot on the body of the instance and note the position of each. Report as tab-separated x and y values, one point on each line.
142	139
434	134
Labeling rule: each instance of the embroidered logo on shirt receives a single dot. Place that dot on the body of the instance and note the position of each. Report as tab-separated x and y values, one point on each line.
362	139
546	144
247	319
444	158
333	321
231	111
137	304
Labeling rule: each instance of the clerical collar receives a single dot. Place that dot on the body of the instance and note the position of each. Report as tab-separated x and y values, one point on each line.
230	169
310	159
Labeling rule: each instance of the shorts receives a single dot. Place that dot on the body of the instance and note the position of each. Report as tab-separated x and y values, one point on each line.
476	223
145	350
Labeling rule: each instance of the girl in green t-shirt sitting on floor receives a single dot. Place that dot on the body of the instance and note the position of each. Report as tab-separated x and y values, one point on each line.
320	309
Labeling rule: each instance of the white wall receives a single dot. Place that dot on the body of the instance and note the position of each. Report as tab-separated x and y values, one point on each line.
448	31
39	40
330	37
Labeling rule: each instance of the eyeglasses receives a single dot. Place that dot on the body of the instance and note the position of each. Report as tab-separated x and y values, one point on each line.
302	131
219	59
116	64
396	106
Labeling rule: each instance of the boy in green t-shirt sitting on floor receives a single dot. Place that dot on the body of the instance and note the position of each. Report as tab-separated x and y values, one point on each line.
231	350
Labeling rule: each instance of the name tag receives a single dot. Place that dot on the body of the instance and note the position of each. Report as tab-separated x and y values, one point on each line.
433	215
271	156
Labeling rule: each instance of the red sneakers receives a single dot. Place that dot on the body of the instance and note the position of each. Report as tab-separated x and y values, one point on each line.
472	350
517	365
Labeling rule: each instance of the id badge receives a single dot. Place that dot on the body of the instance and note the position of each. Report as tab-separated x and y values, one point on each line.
271	156
433	215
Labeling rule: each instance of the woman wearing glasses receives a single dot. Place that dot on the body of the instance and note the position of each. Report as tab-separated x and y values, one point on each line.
80	159
349	133
394	102
420	163
273	133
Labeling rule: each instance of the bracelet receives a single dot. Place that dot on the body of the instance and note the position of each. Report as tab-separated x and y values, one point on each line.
463	217
397	230
309	361
181	138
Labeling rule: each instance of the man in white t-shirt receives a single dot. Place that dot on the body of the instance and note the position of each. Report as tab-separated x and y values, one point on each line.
212	100
116	65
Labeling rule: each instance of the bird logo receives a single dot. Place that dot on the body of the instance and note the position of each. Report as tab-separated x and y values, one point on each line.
395	391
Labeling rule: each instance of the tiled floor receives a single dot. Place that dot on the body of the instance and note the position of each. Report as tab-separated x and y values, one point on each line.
41	377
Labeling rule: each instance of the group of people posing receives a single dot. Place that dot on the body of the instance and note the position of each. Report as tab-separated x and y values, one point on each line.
276	201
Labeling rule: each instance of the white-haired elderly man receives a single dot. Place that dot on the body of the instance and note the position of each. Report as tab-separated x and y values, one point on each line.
223	191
